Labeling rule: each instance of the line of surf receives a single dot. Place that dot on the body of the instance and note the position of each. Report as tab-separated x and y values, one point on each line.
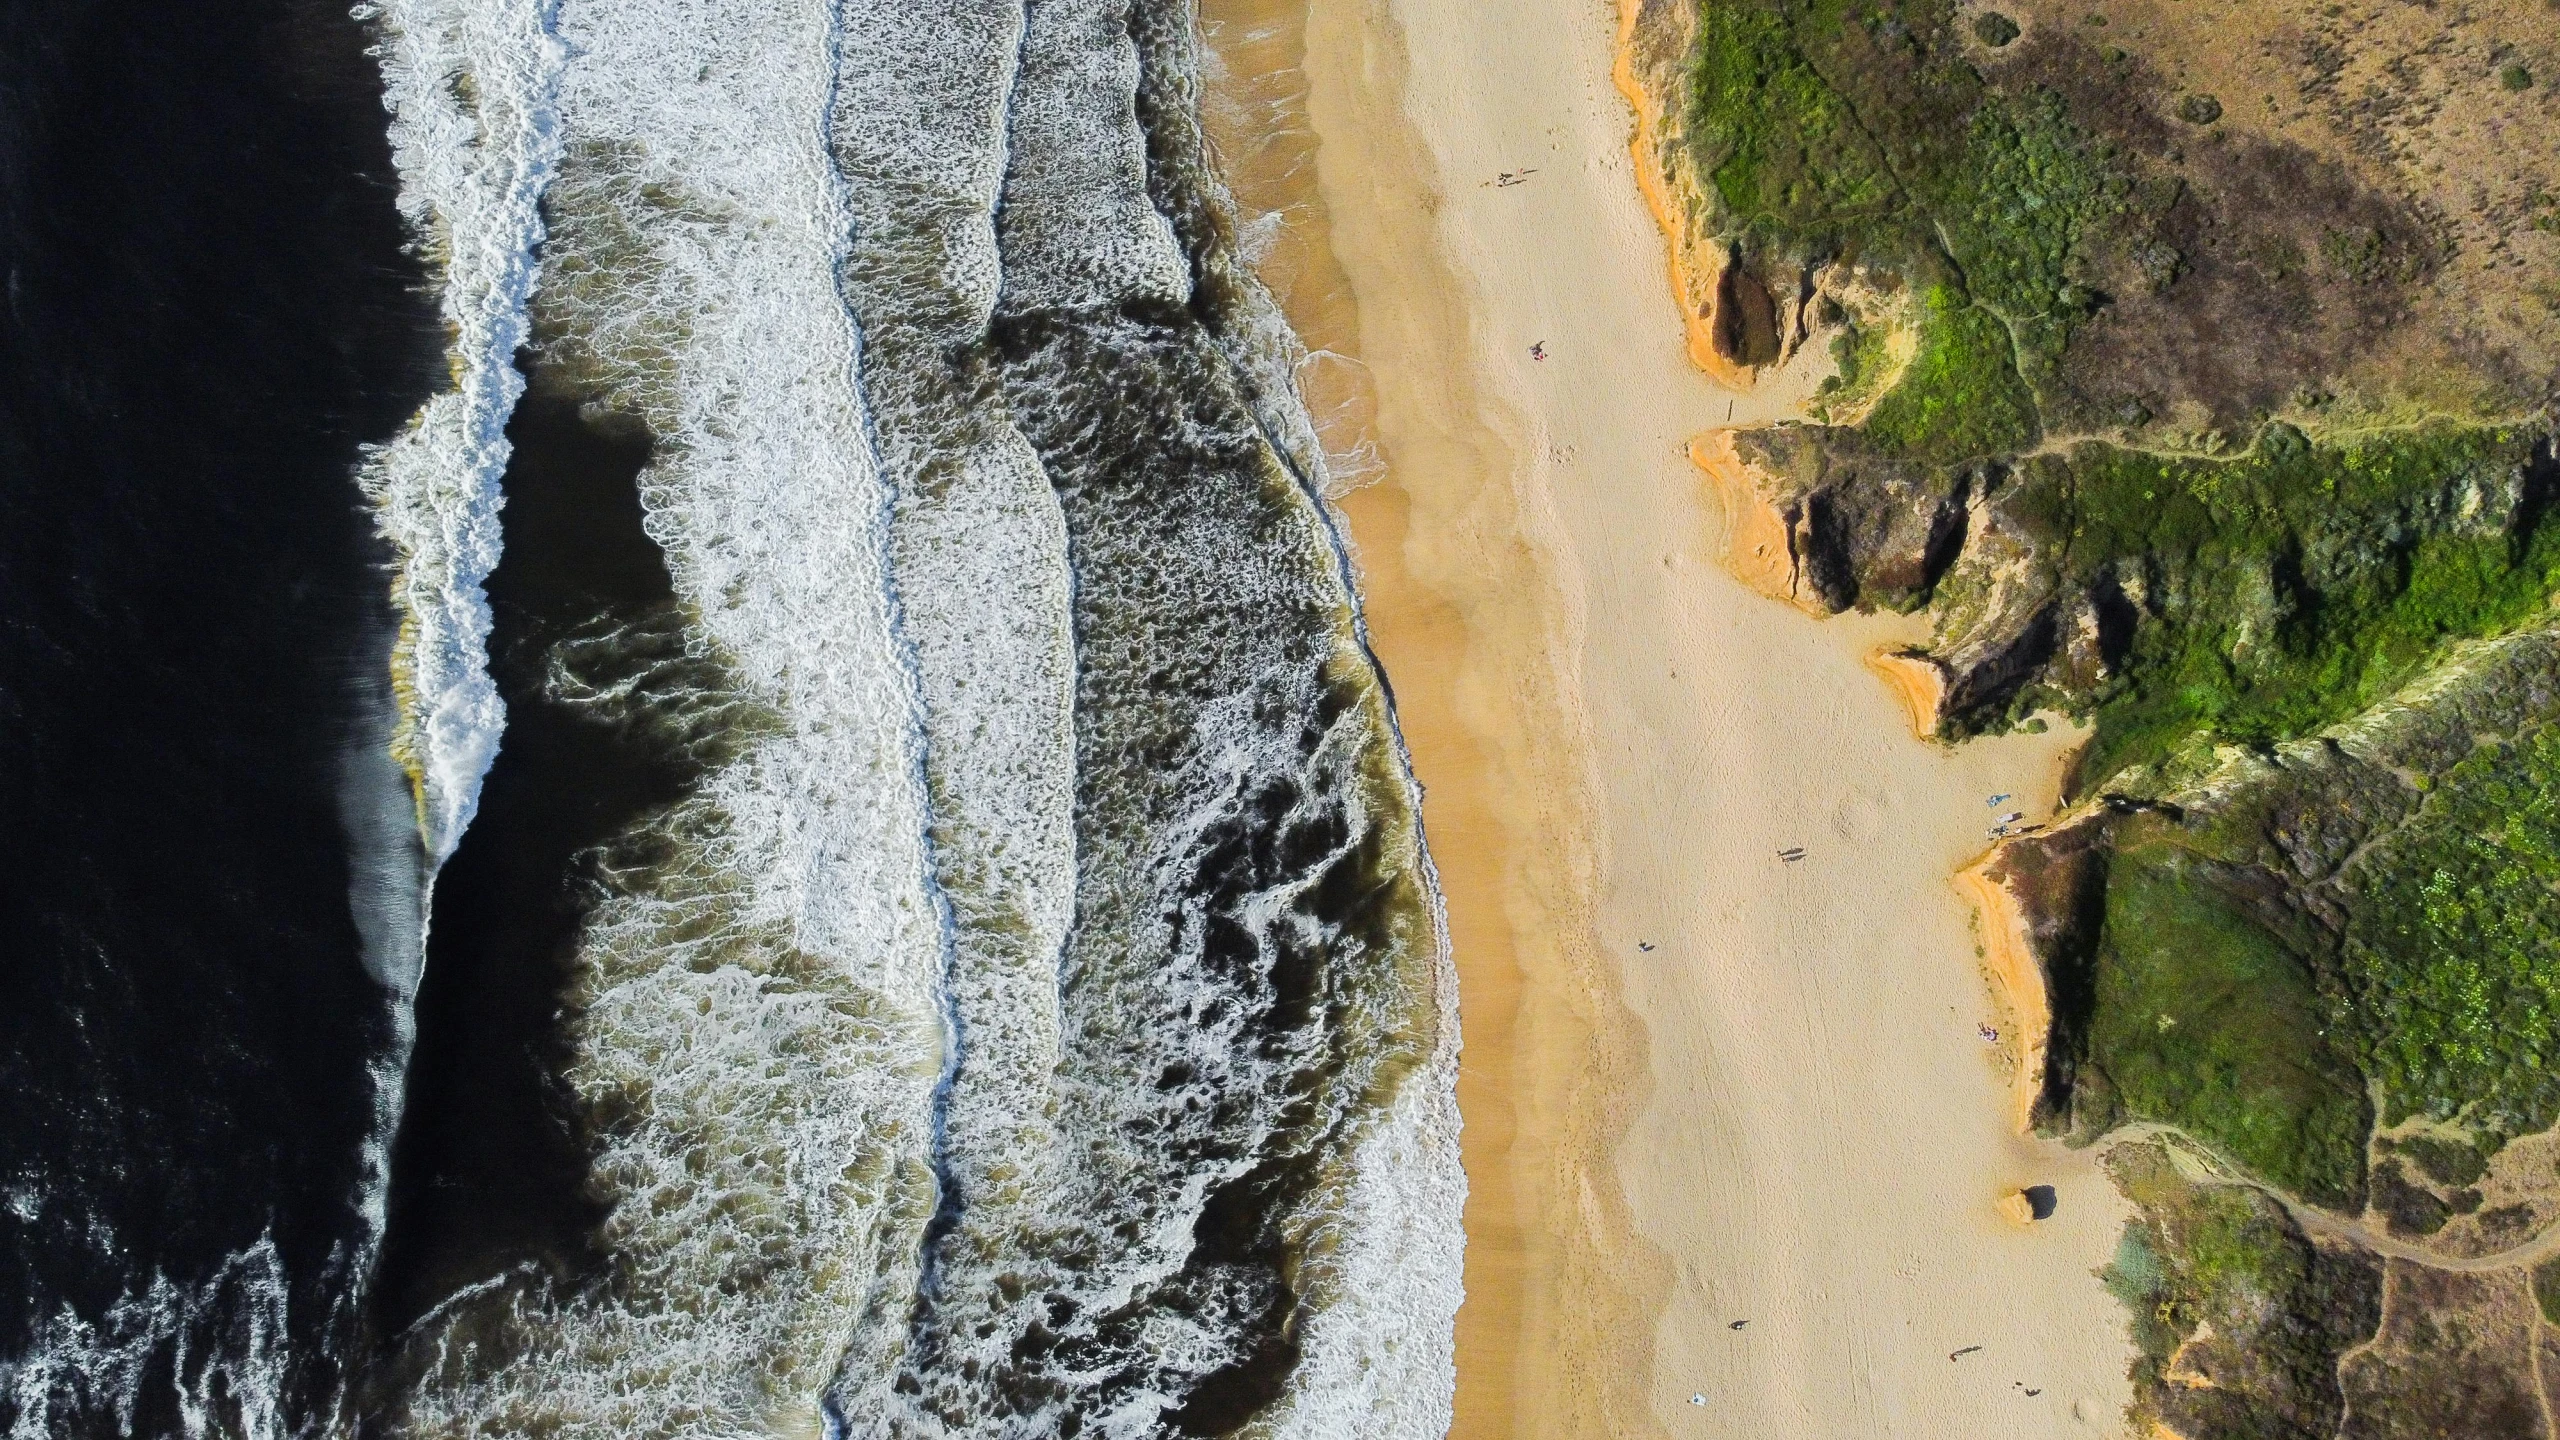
471	86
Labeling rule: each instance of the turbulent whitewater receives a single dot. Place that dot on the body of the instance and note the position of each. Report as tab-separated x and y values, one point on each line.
1033	1015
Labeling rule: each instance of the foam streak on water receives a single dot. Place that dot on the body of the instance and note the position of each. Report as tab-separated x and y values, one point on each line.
230	1382
469	84
980	553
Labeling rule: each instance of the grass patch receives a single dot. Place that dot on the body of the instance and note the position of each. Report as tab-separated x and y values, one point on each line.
2206	1021
1960	398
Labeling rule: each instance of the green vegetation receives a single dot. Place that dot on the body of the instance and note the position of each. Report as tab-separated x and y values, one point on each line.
2220	1004
1859	361
1785	150
1960	398
2286	588
2446	1162
2222	1268
2206	1021
1831	127
2014	217
1994	29
2204	1249
2452	948
2514	78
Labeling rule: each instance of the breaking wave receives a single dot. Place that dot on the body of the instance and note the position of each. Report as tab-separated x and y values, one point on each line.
1036	1018
469	84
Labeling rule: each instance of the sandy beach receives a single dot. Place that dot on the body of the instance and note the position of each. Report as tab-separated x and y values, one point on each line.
1736	1143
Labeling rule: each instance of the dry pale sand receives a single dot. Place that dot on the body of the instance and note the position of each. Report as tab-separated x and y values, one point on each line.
1702	1085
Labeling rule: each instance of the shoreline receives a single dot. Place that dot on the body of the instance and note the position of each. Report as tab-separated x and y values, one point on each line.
1700	1083
1467	615
1468	607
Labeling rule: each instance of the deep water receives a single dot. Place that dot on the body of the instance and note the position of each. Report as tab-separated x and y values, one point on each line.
489	1172
209	308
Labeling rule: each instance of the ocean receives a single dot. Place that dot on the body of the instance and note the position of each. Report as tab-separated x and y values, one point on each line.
694	751
210	877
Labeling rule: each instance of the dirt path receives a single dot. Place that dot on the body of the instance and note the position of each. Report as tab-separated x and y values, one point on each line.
2316	1221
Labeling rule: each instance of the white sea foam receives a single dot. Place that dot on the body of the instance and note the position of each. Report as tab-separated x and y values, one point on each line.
1386	1259
985	596
222	1341
1214	629
936	809
1080	232
757	995
470	87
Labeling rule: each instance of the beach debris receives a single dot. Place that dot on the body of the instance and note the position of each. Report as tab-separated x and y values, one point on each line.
1955	1355
1995	801
1792	854
1645	945
1538	351
1699	1398
1990	1034
1509	178
1738	1324
2035	1392
2013	817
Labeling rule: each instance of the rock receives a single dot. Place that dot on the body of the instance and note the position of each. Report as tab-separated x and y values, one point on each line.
1746	318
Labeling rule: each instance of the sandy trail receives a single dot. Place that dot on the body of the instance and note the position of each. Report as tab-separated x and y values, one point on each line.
1702	1083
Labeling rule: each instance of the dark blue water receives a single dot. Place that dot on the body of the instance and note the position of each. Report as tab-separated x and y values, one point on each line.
208	309
491	1168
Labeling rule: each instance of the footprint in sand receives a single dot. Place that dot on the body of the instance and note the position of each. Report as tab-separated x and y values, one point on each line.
1859	818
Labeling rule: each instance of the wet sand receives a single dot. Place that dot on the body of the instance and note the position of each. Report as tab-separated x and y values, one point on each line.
1702	1083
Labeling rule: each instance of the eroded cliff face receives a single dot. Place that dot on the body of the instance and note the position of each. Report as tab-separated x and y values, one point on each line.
2192	367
